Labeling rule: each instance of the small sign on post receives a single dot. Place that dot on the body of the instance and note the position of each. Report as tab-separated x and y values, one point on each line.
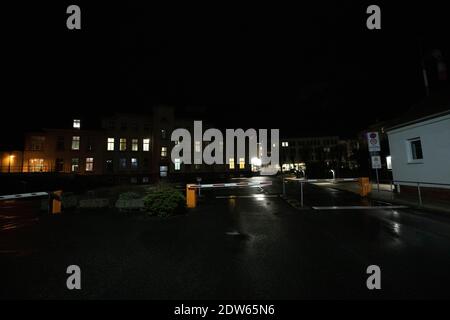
199	180
376	162
373	141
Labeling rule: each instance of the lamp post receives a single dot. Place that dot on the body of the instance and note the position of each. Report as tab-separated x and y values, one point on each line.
334	175
11	156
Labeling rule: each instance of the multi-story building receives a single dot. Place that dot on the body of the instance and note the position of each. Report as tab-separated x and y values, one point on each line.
138	148
127	146
318	155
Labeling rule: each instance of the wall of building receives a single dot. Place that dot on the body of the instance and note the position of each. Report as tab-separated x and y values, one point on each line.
434	135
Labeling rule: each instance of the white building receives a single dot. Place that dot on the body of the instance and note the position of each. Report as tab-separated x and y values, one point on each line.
420	153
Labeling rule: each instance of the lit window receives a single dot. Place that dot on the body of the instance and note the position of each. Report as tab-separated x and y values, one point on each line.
146	144
123	144
198	147
75	165
110	145
76	123
36	165
163	171
134	145
285	144
134	163
177	164
241	163
89	164
231	163
75	143
163	152
415	149
123	163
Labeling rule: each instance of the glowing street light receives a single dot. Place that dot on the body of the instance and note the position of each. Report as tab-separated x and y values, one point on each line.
11	157
334	175
256	162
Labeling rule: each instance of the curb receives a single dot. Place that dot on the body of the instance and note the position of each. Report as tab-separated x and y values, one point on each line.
294	203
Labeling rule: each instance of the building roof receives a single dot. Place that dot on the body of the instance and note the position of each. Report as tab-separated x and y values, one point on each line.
436	105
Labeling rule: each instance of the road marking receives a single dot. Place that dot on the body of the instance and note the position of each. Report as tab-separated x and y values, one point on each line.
253	196
233	233
228	185
23	195
387	203
359	207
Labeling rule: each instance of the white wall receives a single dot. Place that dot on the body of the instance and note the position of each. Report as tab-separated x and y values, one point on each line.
435	138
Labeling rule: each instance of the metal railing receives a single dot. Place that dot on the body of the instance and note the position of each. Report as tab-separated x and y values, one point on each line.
303	181
420	184
392	183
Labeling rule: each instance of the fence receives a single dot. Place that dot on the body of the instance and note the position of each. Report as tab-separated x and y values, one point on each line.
419	185
303	181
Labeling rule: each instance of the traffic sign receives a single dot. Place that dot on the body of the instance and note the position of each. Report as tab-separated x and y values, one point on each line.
376	162
373	141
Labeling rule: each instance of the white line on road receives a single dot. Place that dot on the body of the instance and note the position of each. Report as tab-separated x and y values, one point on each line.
359	207
254	196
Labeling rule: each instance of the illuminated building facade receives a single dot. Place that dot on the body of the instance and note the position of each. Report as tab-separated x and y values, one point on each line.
128	146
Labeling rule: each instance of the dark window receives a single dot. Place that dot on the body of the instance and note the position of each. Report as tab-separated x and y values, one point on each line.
90	144
60	143
416	149
109	166
59	165
123	163
37	143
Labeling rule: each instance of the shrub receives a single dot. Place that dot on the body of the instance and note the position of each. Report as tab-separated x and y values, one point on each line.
164	201
129	196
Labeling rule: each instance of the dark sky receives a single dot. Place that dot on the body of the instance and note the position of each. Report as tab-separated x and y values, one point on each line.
309	69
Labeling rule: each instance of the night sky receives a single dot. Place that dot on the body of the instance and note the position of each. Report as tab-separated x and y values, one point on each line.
309	69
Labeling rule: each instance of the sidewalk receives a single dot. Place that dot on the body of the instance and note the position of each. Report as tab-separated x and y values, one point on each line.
385	194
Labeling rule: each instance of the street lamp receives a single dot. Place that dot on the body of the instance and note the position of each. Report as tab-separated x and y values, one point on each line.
334	175
11	157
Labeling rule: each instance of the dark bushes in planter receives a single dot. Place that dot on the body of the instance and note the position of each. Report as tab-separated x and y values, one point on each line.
129	196
164	201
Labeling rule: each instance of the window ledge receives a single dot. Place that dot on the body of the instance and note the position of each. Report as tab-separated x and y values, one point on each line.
416	162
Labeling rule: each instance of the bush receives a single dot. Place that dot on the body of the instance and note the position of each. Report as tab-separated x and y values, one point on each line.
164	201
129	196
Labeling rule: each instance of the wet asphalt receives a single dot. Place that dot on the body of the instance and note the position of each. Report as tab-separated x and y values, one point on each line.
237	244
